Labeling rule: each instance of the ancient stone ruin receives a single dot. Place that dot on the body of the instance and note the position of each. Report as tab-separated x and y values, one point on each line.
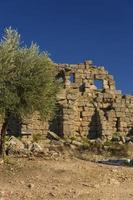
88	105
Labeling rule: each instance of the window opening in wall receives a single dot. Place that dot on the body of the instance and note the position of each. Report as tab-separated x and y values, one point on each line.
72	78
98	84
118	124
61	76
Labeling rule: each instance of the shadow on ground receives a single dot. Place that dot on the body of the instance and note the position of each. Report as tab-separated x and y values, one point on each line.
117	162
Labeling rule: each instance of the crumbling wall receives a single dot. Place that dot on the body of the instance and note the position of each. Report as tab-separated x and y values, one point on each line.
89	111
34	125
85	108
29	126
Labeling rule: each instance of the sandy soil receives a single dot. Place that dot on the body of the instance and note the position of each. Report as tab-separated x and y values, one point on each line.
64	179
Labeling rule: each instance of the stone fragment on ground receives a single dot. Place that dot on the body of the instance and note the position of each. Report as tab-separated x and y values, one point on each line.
14	145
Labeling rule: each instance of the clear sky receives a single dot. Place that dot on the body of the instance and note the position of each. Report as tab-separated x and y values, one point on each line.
75	30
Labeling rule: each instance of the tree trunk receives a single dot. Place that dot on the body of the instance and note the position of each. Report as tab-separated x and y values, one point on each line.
2	138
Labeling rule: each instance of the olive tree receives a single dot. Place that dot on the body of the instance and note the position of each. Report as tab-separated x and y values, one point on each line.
27	81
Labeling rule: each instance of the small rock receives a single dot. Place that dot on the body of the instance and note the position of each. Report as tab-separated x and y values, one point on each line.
127	139
22	182
114	170
1	161
26	143
14	145
36	148
96	186
53	135
73	147
52	194
120	142
113	181
30	185
77	143
123	139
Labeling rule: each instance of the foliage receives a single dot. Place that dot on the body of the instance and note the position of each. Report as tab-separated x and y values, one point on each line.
27	78
27	82
109	143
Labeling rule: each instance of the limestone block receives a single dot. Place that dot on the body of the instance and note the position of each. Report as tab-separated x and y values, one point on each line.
84	123
99	76
61	95
118	109
88	62
123	124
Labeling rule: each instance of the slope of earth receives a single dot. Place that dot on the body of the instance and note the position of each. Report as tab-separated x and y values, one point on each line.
65	179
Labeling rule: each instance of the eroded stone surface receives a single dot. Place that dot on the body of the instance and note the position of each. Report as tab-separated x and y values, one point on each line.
84	109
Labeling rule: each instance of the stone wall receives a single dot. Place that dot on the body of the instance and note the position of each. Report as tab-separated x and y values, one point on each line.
85	109
88	111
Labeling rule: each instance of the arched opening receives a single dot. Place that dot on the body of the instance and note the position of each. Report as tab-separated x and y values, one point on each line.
95	126
82	88
56	125
14	126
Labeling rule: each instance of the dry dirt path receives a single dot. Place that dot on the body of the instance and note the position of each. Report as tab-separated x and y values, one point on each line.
65	179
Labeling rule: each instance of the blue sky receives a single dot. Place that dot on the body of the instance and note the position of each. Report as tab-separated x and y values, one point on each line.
75	30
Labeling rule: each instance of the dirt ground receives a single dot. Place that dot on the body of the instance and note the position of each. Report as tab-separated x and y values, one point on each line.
64	179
